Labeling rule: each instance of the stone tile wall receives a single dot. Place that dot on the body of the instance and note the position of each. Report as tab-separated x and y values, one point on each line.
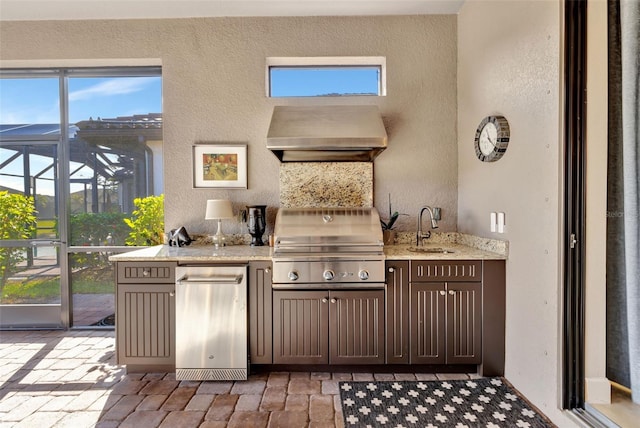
326	184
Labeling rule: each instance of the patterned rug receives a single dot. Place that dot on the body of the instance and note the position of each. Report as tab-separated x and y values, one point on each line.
485	402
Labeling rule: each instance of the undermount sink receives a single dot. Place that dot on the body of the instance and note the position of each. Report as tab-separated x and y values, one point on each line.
432	250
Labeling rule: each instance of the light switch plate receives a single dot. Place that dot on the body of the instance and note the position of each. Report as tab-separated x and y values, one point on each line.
501	223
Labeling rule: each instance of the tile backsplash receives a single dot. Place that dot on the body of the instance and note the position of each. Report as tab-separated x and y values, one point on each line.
326	184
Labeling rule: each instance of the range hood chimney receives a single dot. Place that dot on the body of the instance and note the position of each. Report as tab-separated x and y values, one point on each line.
326	133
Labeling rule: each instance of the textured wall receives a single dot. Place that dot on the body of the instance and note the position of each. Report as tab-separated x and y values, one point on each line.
509	62
214	91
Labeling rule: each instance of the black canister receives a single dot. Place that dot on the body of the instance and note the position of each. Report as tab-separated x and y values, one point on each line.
257	223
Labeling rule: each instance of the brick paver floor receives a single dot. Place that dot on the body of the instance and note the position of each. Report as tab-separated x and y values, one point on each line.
70	379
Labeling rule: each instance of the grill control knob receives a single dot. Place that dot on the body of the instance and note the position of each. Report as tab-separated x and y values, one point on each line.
293	275
363	275
328	275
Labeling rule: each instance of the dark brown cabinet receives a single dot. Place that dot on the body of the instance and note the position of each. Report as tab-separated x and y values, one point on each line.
145	315
397	311
260	310
446	323
446	312
328	327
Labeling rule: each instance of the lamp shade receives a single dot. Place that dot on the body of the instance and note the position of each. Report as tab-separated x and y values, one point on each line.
218	208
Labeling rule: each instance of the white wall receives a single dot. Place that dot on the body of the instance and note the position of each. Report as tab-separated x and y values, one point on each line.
213	91
509	63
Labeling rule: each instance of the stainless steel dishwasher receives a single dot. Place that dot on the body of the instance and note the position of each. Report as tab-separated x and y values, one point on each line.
211	322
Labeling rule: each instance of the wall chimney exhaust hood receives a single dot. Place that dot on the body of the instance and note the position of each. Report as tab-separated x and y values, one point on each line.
326	133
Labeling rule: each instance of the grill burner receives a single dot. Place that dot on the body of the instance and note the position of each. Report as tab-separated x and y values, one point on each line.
320	247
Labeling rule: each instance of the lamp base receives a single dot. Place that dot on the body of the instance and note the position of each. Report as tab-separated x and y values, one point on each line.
219	239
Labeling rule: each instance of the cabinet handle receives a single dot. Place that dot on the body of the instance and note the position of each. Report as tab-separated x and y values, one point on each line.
267	270
172	293
333	300
145	272
442	292
324	300
392	269
451	292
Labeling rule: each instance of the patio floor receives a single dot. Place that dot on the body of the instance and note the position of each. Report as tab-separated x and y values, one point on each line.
70	379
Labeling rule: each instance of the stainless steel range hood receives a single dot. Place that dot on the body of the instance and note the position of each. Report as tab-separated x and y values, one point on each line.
326	133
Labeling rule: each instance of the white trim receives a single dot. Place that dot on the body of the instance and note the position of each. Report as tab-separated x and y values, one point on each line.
300	61
597	390
69	63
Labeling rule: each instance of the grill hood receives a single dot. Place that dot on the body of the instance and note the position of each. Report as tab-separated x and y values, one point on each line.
326	133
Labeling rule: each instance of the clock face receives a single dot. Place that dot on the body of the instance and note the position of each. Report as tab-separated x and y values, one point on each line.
488	137
492	138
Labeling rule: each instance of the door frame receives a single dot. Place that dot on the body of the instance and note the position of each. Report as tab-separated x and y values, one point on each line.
25	316
574	242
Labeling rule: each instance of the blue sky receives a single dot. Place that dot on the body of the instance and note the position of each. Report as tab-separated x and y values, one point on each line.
314	81
37	101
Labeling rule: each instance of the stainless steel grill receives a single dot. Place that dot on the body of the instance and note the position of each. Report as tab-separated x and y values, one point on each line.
325	247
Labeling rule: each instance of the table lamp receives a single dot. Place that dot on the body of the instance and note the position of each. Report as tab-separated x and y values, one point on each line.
217	209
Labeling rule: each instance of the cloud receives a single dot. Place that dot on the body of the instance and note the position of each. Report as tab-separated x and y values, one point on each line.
118	86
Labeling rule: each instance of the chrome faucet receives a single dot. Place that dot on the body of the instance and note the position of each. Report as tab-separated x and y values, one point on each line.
434	224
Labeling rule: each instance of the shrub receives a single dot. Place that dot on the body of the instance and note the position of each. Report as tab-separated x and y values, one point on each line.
147	223
98	228
17	221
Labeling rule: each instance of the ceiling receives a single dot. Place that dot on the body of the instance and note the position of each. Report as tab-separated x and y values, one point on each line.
20	10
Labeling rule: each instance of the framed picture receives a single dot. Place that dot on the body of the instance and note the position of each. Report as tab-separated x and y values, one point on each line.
222	166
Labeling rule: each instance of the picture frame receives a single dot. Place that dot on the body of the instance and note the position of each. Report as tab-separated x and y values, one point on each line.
222	166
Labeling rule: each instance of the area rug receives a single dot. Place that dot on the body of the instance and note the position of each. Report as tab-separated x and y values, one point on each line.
484	402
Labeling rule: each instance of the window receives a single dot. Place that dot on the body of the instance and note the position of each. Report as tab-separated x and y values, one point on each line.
83	148
326	76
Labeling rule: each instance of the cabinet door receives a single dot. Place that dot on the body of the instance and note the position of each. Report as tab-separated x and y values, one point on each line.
356	327
145	324
300	327
464	323
397	312
260	310
427	321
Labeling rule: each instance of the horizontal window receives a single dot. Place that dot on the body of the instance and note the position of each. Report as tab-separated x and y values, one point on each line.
325	76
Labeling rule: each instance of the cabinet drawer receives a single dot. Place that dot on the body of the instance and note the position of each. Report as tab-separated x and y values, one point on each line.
450	271
146	272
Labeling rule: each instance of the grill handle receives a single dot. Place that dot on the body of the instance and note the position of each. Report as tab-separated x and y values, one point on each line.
287	244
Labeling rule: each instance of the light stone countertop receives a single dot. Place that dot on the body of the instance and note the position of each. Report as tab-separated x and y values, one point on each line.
462	247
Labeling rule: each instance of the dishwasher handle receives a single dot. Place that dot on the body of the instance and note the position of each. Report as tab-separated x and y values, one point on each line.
230	279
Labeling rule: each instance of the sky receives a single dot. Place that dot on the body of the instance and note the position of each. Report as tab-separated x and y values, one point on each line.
288	81
27	101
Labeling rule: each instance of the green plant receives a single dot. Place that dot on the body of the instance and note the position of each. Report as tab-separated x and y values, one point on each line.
17	221
147	223
388	225
98	228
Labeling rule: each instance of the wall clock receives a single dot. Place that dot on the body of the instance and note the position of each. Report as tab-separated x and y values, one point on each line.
492	138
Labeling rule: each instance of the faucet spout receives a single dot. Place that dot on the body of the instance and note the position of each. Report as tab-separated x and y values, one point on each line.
434	225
